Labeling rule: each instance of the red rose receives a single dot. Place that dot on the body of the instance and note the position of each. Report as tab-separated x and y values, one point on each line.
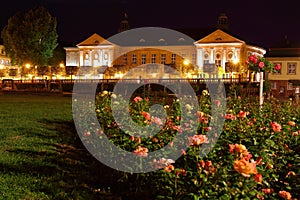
277	67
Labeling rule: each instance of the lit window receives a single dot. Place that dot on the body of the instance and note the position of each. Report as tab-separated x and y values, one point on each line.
163	59
173	58
86	56
96	56
194	58
291	68
273	85
290	86
218	60
133	58
153	58
230	55
125	59
143	58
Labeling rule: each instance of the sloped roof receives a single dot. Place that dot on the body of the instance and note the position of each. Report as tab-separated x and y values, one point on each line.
219	36
94	40
283	52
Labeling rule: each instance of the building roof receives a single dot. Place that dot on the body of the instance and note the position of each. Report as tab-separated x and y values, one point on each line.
218	36
151	36
94	40
283	52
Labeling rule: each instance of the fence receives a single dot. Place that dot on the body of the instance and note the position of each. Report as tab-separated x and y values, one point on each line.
198	84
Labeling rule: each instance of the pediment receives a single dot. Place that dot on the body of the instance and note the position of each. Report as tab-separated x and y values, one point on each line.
219	36
94	40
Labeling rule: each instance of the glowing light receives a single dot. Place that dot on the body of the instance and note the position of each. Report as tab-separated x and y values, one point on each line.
61	65
186	62
27	66
235	61
1	66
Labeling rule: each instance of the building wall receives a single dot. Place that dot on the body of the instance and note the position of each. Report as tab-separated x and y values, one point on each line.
282	83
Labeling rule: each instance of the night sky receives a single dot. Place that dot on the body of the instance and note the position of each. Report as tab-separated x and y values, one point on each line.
262	22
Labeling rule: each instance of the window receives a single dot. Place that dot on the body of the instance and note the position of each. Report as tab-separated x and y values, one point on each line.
153	58
163	59
230	56
218	63
173	58
86	56
291	68
144	58
273	85
290	86
218	60
125	59
133	58
206	56
96	56
194	58
277	72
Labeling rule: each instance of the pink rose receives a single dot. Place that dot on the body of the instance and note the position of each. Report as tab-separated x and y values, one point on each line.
261	64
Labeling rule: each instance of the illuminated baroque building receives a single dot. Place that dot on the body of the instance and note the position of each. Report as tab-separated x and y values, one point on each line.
217	54
6	70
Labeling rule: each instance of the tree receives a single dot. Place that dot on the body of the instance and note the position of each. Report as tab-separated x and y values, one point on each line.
30	37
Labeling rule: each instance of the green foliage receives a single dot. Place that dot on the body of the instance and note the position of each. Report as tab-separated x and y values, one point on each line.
30	37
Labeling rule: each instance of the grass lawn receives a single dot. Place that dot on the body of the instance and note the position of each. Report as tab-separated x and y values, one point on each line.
41	156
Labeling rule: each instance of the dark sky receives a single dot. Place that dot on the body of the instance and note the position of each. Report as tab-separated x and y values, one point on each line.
263	22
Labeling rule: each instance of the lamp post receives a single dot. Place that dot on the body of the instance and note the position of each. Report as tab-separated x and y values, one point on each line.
261	85
186	63
27	66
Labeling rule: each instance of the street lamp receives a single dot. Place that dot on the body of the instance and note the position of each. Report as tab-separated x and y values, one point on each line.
27	66
186	63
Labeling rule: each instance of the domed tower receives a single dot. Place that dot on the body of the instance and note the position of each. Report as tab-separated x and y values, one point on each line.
223	22
124	24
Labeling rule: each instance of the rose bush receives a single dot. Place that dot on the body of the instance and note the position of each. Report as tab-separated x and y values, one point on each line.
260	64
256	157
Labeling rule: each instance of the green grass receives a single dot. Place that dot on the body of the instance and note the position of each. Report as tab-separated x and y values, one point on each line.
41	156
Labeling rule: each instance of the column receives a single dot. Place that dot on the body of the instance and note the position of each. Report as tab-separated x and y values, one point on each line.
224	58
211	60
200	59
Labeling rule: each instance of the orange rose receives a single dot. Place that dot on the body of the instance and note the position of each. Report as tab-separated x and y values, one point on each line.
239	148
275	126
141	151
258	178
291	123
285	195
169	168
245	167
146	115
